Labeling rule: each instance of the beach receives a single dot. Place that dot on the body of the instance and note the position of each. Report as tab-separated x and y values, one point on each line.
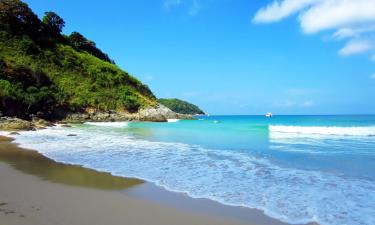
242	169
40	191
191	112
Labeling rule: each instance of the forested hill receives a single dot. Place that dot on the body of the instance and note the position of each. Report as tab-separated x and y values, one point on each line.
47	73
180	106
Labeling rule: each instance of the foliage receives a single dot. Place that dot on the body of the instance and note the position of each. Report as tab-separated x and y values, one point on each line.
180	106
40	72
53	23
17	17
81	43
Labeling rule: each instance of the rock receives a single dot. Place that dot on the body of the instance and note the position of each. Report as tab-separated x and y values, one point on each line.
76	118
14	133
65	125
5	139
158	113
71	135
41	123
14	124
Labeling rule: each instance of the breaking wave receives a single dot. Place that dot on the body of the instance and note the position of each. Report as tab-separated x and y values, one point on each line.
342	131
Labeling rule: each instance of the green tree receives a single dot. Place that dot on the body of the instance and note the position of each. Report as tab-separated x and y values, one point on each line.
5	88
80	42
53	23
17	17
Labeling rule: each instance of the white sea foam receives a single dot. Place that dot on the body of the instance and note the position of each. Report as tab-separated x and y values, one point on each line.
108	124
233	178
320	130
173	120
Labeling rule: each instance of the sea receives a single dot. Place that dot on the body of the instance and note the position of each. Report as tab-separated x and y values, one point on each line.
297	169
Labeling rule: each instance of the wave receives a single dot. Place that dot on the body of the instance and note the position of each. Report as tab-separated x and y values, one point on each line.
229	177
173	120
108	124
320	130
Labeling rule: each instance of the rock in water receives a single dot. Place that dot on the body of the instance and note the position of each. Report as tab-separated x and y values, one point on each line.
14	124
41	123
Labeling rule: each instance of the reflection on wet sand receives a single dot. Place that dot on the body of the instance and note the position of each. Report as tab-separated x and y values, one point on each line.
31	162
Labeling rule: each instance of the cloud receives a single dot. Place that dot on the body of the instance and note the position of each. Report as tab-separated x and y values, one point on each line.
355	47
333	14
279	10
349	19
345	33
193	6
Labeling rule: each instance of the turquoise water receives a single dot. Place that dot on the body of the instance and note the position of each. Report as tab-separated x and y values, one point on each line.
297	169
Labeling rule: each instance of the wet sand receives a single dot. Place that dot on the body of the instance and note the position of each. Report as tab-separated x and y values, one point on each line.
36	190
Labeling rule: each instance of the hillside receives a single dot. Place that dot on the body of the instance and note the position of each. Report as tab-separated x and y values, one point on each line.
180	106
46	73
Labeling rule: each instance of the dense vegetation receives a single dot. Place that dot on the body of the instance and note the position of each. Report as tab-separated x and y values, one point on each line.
180	106
47	73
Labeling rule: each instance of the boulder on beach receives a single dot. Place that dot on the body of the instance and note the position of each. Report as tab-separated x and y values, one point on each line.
15	124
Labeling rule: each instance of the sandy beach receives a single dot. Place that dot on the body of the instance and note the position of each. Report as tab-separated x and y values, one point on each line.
35	190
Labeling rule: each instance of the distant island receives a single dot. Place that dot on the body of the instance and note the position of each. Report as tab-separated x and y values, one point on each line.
53	76
180	106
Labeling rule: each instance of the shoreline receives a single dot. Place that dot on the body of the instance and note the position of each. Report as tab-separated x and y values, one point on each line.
206	210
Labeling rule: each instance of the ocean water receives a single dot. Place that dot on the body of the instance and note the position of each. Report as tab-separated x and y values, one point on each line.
297	169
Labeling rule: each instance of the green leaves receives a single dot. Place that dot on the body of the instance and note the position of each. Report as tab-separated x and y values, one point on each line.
80	42
40	69
53	23
5	88
180	106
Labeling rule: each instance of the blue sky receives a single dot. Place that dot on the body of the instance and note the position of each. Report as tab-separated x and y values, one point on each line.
237	56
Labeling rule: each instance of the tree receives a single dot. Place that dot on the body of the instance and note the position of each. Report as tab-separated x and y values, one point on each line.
80	42
53	23
17	17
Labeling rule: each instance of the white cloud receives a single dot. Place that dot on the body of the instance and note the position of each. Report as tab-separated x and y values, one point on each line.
333	14
345	33
278	10
350	19
355	47
193	6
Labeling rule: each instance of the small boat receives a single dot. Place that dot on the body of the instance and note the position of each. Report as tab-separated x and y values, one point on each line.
269	114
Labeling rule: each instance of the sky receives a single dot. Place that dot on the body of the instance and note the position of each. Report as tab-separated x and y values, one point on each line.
238	57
